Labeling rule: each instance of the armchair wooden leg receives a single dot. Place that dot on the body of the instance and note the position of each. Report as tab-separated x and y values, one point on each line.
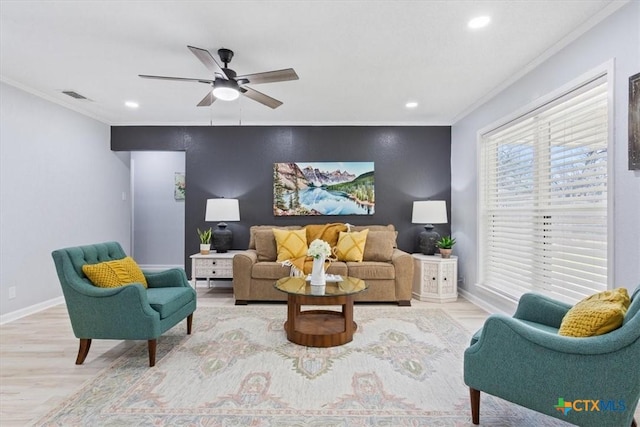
85	344
633	423
152	352
475	405
189	323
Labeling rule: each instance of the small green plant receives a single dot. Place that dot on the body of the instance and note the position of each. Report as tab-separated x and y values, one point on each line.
446	242
205	236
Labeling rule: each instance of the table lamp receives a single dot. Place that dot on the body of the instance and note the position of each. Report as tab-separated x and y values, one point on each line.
222	210
429	212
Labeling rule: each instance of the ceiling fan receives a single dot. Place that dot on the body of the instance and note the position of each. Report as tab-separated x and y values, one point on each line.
226	84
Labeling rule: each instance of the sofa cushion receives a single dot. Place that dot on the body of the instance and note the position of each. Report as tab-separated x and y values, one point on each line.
596	314
389	227
116	273
338	267
350	246
266	247
372	270
275	270
269	270
167	301
291	244
380	245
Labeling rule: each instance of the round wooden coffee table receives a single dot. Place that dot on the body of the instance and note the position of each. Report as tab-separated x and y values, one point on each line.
320	328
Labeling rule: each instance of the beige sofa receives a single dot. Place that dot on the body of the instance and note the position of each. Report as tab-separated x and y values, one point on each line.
387	270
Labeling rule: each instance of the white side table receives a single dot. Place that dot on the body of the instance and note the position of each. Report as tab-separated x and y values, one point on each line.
435	279
212	266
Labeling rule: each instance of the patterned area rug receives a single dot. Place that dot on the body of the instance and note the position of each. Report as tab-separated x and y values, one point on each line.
403	368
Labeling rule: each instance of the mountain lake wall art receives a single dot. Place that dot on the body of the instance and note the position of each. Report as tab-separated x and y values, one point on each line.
323	188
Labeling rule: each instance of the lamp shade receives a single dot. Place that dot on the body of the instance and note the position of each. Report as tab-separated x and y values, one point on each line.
222	210
429	212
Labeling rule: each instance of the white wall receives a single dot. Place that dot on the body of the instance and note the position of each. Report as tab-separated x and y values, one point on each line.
158	219
60	185
617	38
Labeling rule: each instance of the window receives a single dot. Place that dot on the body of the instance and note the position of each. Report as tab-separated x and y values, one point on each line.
543	198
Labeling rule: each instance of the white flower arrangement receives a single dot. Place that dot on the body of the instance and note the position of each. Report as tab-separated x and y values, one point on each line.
319	248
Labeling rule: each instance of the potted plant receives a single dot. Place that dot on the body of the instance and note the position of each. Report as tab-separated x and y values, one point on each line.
445	244
205	241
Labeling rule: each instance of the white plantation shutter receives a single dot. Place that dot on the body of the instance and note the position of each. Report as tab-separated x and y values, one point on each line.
543	198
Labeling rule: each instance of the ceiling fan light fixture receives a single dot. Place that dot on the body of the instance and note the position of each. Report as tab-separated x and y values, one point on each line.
225	90
479	22
226	85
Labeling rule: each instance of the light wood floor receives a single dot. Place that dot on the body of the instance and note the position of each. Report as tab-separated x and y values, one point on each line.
37	355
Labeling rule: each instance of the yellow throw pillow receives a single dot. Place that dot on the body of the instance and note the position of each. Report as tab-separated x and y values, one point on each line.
291	244
351	245
112	274
596	315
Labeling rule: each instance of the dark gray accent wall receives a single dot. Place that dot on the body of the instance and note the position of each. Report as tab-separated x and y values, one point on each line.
411	163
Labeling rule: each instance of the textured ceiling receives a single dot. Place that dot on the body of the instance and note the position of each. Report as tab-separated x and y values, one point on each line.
359	62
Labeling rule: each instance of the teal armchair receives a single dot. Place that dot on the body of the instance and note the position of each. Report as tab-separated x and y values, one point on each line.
125	313
522	359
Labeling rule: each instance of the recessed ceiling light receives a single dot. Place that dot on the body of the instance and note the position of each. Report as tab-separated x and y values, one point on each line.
411	104
479	22
131	104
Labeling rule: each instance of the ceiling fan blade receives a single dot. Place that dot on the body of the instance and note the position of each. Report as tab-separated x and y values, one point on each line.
260	97
207	100
180	79
270	76
207	59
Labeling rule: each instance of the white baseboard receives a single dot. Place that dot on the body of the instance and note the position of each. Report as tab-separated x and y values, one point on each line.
483	304
154	268
220	284
18	314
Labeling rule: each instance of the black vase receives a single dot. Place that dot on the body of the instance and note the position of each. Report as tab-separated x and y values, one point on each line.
222	238
427	240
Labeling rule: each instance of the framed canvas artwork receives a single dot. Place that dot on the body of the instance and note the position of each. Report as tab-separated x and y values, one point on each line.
179	186
323	188
634	122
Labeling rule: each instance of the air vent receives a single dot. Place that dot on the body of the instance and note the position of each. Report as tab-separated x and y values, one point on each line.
73	94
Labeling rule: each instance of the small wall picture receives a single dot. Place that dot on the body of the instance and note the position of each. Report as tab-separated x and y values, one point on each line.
179	186
323	188
634	122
